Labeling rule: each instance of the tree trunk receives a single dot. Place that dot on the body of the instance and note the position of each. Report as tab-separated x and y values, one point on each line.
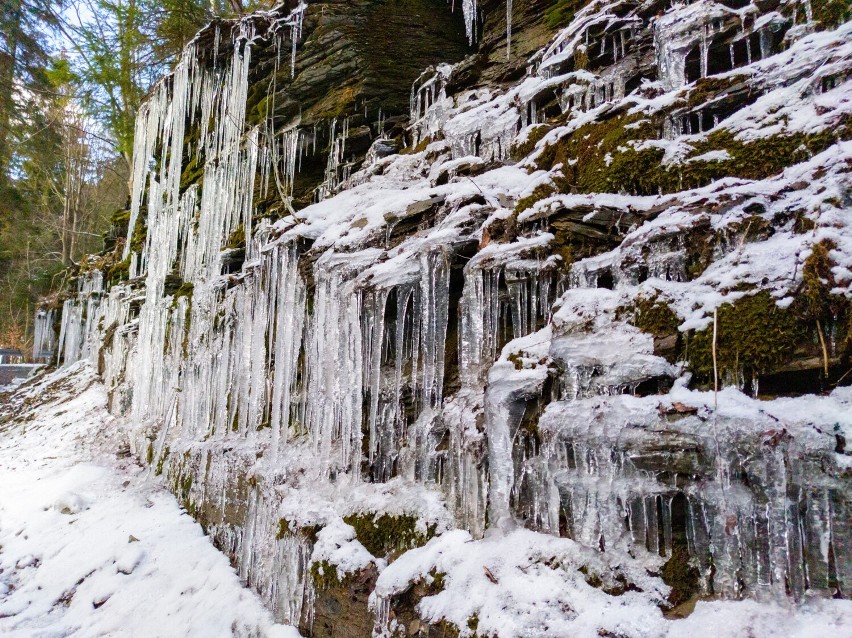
8	72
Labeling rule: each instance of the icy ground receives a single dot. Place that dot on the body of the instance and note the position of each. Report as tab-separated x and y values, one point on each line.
90	544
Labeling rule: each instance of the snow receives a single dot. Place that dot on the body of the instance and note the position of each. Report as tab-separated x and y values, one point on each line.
336	544
527	584
90	544
750	618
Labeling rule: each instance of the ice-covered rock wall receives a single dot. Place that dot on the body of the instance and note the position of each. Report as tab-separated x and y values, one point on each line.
583	300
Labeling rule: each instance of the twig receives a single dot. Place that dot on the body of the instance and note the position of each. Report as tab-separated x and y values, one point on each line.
715	363
474	183
824	349
719	462
845	374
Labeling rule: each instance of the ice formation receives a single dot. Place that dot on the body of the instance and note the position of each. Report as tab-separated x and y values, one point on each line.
413	334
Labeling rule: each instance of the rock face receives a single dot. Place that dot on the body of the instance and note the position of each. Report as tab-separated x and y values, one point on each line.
592	280
356	62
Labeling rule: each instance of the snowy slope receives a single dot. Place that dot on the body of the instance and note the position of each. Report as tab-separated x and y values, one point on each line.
89	544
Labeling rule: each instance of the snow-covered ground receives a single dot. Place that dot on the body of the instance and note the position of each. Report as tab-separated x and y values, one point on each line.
528	584
90	544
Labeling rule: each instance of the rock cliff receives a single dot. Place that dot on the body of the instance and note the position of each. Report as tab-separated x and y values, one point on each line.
531	318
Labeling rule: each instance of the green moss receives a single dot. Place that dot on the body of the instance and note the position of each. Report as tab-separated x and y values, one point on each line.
681	576
828	313
308	532
581	57
517	360
651	315
602	156
118	272
592	578
830	14
192	173
708	88
185	290
754	335
438	579
187	324
324	575
120	222
758	159
700	243
473	622
588	153
257	102
818	281
757	337
751	229
237	239
561	12
542	191
386	534
140	233
161	462
418	148
149	455
802	223
534	136
260	110
763	157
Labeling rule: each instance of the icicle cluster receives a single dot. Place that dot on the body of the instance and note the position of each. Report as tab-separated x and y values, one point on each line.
44	335
323	349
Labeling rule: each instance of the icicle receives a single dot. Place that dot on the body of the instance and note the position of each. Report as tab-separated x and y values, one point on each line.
44	336
434	287
289	307
296	20
374	313
470	19
334	392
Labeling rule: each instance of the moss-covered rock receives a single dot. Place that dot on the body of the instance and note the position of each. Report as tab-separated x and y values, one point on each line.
534	136
341	606
754	336
386	534
287	528
540	192
237	239
561	12
681	575
654	316
607	156
161	461
830	14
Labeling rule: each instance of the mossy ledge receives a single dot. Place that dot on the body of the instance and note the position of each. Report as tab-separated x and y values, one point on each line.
609	156
386	534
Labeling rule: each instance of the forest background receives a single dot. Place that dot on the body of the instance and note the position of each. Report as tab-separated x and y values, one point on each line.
73	74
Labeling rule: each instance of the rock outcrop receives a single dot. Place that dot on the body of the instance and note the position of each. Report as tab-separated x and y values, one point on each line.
591	280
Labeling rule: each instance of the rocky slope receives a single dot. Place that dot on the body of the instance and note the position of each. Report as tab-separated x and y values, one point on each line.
583	294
